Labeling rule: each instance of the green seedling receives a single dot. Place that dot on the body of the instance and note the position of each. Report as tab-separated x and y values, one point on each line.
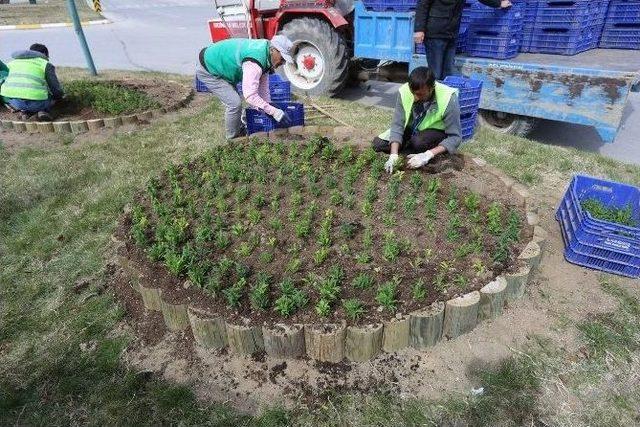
367	238
367	209
266	257
291	299
335	198
453	228
244	249
371	190
234	294
328	152
599	210
330	182
175	262
353	309
254	216
391	247
416	182
479	267
364	257
139	226
242	270
346	155
362	281
204	233
472	202
348	230
461	282
222	240
259	295
494	219
197	273
389	220
275	224
213	286
452	201
419	290
259	201
513	226
410	204
501	251
386	295
434	185
242	193
323	308
225	265
321	255
238	229
296	199
157	251
294	265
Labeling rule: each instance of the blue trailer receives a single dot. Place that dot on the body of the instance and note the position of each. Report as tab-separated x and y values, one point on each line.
590	88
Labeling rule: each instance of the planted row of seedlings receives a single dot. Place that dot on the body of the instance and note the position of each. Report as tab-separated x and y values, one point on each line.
314	233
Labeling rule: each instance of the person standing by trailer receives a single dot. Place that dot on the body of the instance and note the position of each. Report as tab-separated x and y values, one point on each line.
224	64
437	24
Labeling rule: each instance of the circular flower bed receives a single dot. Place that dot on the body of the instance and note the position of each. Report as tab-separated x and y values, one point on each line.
94	104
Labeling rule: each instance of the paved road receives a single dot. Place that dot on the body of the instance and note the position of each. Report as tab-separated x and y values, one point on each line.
165	35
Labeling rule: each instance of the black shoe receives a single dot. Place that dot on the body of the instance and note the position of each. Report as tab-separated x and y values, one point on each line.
43	116
22	116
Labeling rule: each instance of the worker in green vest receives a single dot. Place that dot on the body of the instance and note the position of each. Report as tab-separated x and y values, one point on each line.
226	63
426	122
31	87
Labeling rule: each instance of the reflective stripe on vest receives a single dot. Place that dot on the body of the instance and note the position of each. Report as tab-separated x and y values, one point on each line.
26	80
434	117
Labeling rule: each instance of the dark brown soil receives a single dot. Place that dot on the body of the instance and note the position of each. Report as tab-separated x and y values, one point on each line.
164	92
410	229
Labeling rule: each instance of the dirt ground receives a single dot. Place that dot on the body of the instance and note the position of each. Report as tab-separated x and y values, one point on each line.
560	292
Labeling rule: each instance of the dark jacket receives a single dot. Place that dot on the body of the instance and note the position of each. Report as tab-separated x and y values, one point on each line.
55	88
440	19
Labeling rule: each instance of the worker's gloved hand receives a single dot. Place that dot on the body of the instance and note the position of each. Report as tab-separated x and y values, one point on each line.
282	117
418	37
504	4
393	158
419	160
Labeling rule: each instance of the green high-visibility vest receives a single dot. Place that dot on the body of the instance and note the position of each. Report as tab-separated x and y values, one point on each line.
434	120
26	80
224	58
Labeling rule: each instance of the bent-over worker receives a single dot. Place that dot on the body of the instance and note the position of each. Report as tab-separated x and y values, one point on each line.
426	121
31	87
226	63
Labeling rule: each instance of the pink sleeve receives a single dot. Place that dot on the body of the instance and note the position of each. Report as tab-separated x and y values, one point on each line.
253	87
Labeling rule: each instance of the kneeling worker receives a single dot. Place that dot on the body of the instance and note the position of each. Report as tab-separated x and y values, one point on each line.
31	86
426	121
226	63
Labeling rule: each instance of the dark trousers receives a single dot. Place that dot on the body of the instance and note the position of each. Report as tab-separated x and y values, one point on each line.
419	143
441	54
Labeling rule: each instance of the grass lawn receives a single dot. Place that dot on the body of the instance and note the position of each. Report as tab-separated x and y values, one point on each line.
60	363
44	12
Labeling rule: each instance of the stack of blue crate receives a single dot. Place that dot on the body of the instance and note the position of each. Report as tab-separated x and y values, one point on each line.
567	27
279	89
469	92
495	33
597	243
622	25
530	13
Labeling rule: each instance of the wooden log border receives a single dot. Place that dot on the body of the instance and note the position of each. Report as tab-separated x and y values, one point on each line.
333	342
81	126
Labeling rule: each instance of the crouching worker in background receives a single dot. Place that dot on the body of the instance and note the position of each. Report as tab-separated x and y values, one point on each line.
426	122
31	87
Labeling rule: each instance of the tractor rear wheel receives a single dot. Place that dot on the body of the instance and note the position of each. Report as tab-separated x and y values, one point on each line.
512	124
321	61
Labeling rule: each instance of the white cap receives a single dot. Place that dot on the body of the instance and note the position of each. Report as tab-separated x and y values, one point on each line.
284	46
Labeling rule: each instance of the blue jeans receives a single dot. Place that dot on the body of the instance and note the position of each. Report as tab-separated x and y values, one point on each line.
29	106
441	54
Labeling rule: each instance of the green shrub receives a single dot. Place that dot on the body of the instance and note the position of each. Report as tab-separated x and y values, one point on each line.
107	97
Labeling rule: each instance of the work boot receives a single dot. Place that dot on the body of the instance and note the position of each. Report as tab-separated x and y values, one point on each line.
24	116
43	116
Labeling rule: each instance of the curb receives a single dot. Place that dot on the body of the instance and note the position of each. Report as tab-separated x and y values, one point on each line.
330	342
82	126
53	25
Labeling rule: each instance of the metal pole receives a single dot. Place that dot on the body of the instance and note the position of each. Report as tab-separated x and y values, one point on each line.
83	41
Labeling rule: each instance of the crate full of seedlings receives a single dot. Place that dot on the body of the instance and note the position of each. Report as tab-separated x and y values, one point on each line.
600	223
259	121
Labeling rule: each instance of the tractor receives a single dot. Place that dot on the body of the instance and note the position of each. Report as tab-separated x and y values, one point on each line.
320	30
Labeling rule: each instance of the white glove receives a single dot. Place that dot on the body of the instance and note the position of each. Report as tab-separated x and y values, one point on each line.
278	115
419	160
393	158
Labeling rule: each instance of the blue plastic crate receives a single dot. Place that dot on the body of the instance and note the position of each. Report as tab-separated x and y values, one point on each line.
564	41
620	36
531	9
199	86
600	240
259	121
593	262
570	14
390	5
623	12
468	125
487	45
484	18
469	93
279	89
